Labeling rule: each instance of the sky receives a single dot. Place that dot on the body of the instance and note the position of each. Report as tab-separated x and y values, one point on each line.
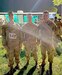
25	5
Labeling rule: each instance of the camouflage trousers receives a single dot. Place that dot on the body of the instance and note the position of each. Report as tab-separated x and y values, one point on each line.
13	52
50	51
30	49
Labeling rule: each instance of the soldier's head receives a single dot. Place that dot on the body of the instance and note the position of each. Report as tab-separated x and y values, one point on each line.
45	15
55	18
10	13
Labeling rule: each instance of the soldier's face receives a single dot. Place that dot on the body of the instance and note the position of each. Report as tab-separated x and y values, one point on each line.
29	17
11	16
45	16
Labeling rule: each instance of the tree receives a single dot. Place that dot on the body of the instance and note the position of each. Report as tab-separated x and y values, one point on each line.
57	2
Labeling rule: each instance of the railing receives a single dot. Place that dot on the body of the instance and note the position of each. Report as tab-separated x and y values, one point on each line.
25	13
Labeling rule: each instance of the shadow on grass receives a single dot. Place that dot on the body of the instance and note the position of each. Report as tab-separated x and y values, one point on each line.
31	71
22	70
48	73
14	70
5	56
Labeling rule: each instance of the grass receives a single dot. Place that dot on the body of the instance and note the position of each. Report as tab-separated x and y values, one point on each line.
57	64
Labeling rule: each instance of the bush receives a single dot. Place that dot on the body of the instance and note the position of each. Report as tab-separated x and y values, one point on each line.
59	48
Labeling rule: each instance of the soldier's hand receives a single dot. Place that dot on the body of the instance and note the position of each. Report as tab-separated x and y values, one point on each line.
1	21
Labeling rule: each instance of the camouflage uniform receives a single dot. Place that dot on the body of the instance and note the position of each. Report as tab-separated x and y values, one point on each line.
45	46
47	41
0	25
57	31
61	31
12	41
59	25
30	41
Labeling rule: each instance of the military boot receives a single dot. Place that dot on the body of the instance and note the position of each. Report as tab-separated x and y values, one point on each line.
17	66
11	71
50	68
42	69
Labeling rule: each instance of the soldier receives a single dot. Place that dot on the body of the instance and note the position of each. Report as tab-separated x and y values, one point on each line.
57	30
60	28
30	40
46	44
0	27
4	34
12	42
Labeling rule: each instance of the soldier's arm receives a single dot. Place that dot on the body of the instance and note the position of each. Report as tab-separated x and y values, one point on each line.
38	35
4	41
54	26
3	23
3	36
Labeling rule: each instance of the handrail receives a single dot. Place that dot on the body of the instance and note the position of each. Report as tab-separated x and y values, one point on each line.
26	13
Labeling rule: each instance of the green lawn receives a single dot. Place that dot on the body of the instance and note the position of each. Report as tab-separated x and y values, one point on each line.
57	64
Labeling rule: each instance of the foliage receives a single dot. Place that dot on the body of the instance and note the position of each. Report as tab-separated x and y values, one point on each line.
59	48
57	2
58	16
